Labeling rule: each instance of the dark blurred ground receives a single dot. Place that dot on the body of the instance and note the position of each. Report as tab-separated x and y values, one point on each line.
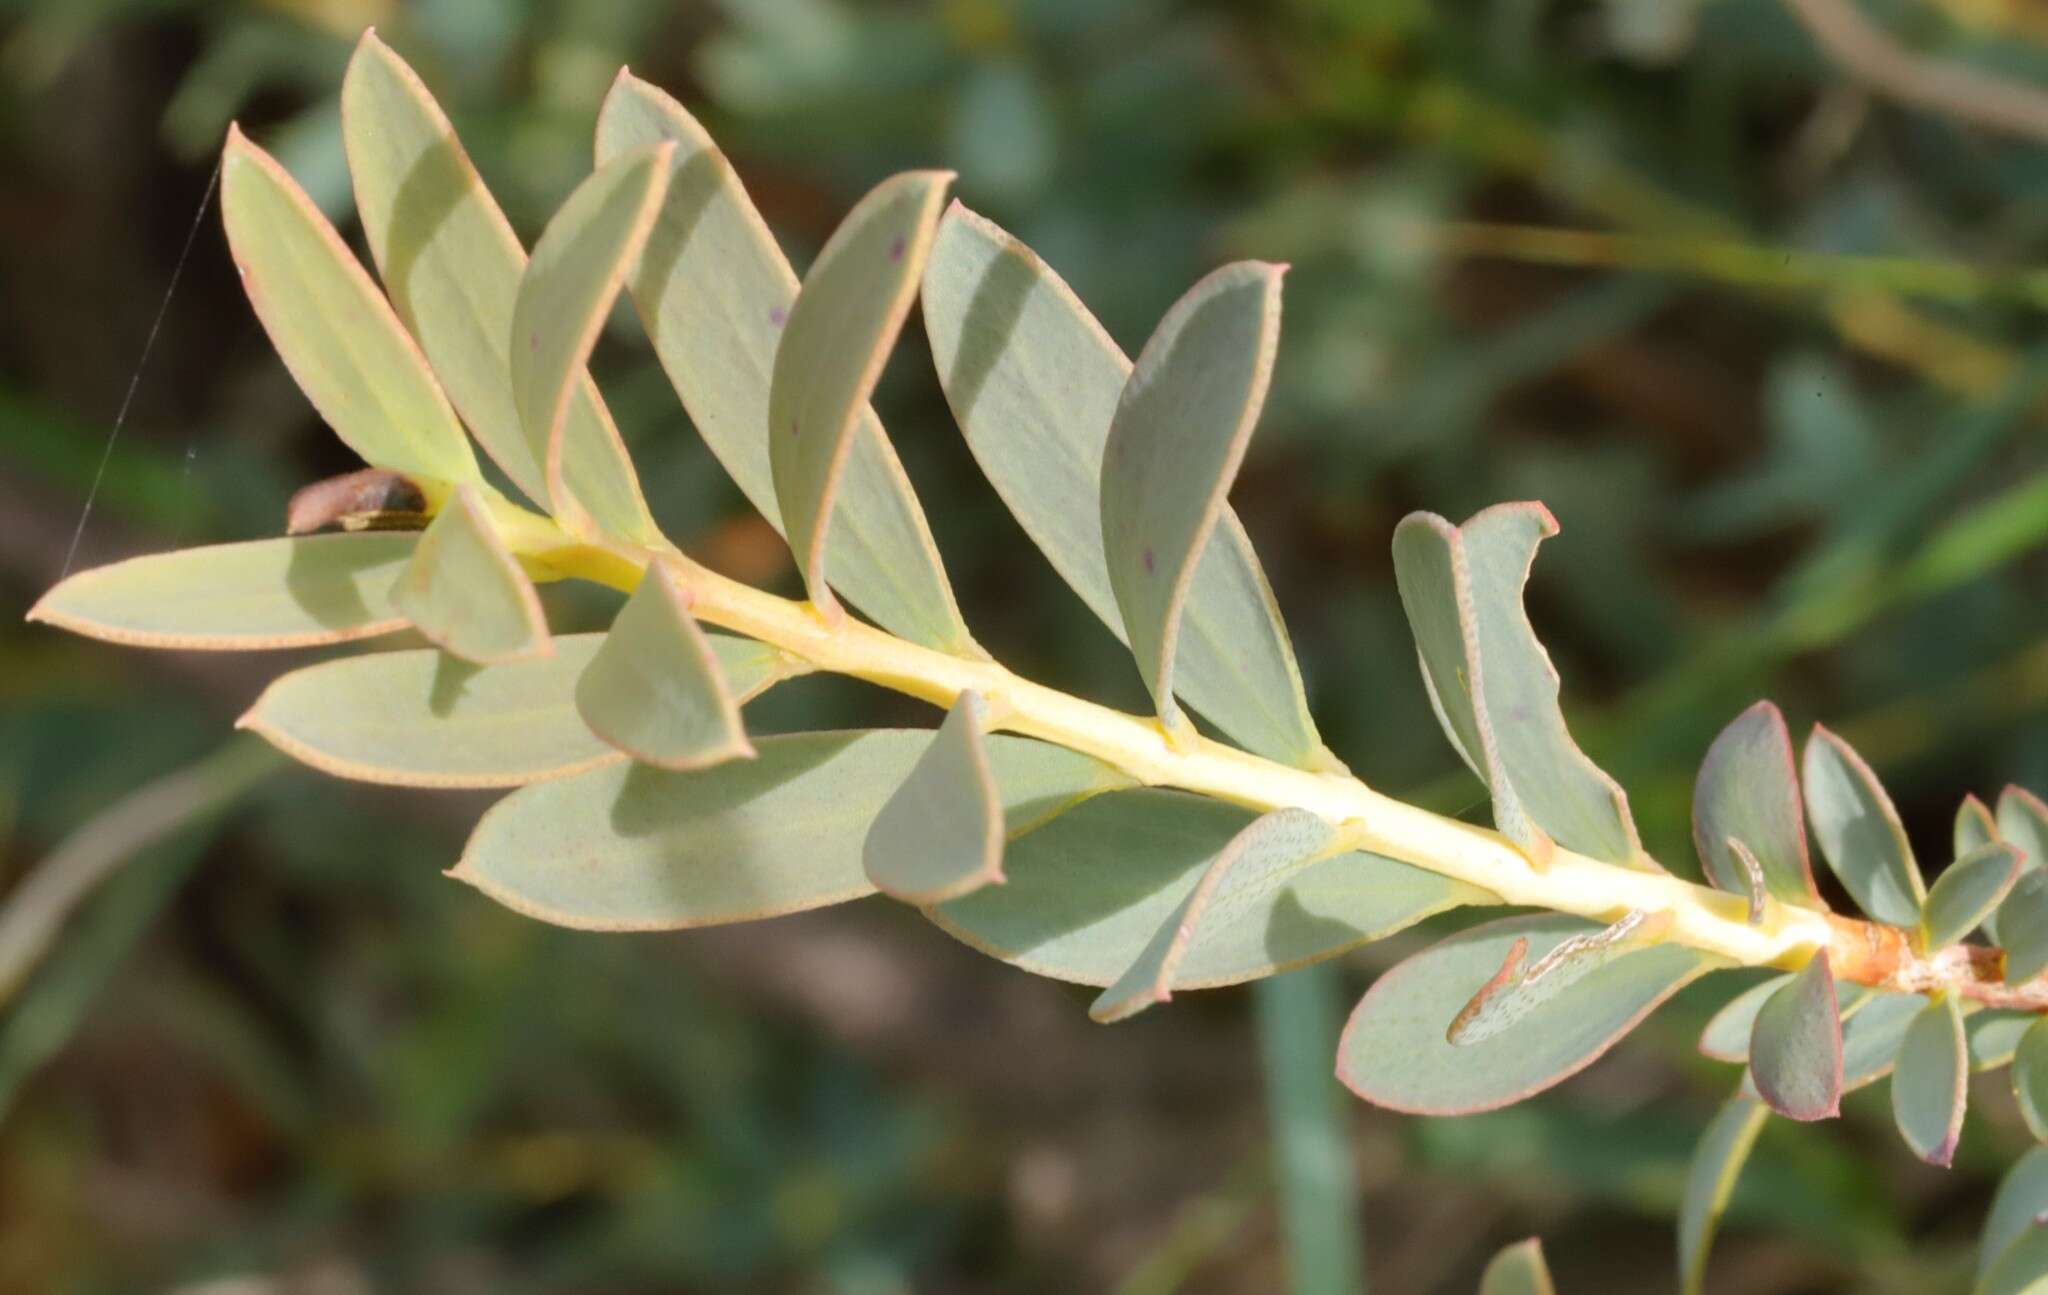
283	1054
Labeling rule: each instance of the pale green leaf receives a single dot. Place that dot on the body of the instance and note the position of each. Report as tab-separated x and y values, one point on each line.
1726	1037
564	298
2021	1200
465	591
2022	822
2030	1078
422	718
1929	1082
837	338
1871	1038
2023	927
714	292
331	326
1710	1180
633	848
1175	443
1494	687
452	265
1034	381
1518	1270
1966	893
1395	1052
655	689
1748	788
940	836
1992	1035
1859	832
1795	1048
1974	826
2022	1269
1085	893
1245	873
305	591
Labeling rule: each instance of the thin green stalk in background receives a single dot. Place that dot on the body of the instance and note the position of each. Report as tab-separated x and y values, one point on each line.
1315	1183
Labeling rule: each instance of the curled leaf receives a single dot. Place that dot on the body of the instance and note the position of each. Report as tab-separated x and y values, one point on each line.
655	690
940	836
1514	990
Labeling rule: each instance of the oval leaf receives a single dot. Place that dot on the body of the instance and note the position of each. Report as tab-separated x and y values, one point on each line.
306	591
1518	1270
1974	826
1245	873
2023	927
1709	1182
465	591
426	719
1394	1052
655	690
839	334
2022	1198
1929	1084
1871	1038
2023	823
1493	686
1859	832
1992	1036
1966	893
1175	442
564	298
331	326
940	836
1795	1049
1748	789
2030	1079
714	292
1034	381
452	265
2023	1267
1087	892
1726	1037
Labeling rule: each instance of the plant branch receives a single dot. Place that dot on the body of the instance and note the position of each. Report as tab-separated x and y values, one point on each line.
1953	89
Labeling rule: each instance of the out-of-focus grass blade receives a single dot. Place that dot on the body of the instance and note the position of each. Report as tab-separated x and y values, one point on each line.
655	690
1321	1221
465	591
281	593
714	291
331	326
1709	1182
1859	832
838	335
1518	1270
940	836
452	265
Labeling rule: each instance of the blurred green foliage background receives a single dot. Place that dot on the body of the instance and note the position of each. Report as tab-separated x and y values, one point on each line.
1784	395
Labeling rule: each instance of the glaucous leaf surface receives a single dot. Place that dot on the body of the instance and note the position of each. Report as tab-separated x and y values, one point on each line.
1175	442
1871	1038
331	326
1967	891
714	291
1710	1180
2022	1269
633	848
1086	893
305	591
1726	1037
1518	1270
452	265
1795	1048
2030	1079
1930	1082
1748	788
2022	822
1992	1035
1859	832
1395	1054
1493	686
2022	1198
2023	927
466	593
1251	867
1974	826
422	718
1033	381
940	836
655	690
838	336
564	298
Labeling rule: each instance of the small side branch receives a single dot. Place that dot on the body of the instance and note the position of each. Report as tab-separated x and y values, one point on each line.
1951	89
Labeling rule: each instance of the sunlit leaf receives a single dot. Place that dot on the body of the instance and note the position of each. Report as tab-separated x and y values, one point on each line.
1084	894
630	847
423	718
1523	984
465	591
1795	1049
1395	1053
655	689
1974	826
331	326
1493	686
2021	1200
1929	1084
1748	789
1966	893
838	336
1709	1182
714	291
452	266
1034	381
1175	442
941	834
1518	1270
300	592
2030	1078
564	298
1248	870
1859	832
